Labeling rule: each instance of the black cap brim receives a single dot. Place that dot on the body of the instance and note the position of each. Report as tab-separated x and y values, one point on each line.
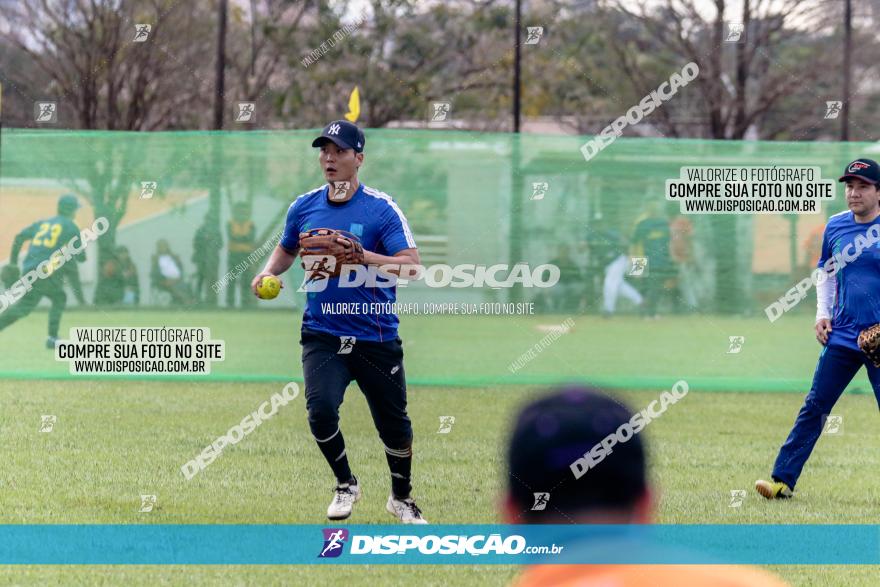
335	140
853	176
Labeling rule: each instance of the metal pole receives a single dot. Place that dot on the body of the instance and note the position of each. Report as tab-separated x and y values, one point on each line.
517	66
847	72
516	179
253	37
219	77
210	269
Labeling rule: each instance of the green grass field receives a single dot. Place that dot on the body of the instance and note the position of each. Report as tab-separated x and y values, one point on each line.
115	440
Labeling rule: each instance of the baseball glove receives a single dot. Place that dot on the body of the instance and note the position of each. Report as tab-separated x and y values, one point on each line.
9	275
342	246
869	342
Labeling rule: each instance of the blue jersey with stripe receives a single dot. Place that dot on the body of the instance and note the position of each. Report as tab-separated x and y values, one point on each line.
47	236
857	298
376	219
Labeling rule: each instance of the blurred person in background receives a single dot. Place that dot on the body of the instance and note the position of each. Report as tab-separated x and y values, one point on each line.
166	273
206	242
651	240
119	283
681	250
47	237
608	256
241	241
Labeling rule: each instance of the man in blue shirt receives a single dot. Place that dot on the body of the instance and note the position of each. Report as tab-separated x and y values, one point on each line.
46	238
848	301
362	344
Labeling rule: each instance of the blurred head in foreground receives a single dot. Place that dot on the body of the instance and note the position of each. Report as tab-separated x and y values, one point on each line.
550	435
553	432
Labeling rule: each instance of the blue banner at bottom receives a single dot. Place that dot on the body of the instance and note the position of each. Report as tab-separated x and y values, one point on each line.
439	544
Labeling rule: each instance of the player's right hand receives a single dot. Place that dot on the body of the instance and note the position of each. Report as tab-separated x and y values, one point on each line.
823	329
257	279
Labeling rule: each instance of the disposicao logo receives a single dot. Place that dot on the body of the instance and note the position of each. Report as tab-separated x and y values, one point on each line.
334	540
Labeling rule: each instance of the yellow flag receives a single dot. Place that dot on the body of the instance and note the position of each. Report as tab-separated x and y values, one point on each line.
354	106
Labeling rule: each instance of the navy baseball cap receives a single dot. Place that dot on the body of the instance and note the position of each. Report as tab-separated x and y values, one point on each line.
557	429
865	169
68	202
344	134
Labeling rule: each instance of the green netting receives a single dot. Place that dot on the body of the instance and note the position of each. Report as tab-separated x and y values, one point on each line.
478	198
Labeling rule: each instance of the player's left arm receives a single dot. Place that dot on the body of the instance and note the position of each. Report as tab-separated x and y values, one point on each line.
397	238
396	263
825	292
19	240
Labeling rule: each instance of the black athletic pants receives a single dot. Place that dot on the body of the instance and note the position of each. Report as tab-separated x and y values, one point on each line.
53	288
330	364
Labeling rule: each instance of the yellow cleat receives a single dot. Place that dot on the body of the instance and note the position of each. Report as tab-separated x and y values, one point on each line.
773	489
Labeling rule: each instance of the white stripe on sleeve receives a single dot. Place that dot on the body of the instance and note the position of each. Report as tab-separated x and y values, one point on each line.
410	240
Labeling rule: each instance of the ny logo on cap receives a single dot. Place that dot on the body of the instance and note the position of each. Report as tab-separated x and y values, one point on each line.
333	130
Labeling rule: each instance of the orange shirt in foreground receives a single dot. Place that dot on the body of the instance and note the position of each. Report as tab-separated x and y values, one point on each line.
646	576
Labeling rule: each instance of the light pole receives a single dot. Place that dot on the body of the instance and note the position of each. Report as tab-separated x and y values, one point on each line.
847	74
517	65
516	179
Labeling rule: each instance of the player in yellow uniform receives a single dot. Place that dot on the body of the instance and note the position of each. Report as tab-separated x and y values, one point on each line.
47	237
241	235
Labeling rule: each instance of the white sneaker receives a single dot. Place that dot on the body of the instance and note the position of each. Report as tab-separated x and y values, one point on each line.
346	495
405	510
